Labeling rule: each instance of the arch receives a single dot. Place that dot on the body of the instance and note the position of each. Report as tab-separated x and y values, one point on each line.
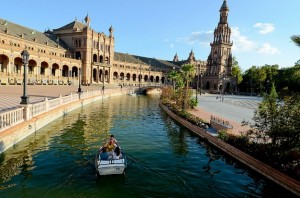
106	76
101	59
115	76
74	71
163	80
44	67
101	75
128	76
18	63
95	58
55	69
65	71
151	78
207	85
134	77
121	76
140	77
146	78
32	66
157	79
106	60
94	74
4	63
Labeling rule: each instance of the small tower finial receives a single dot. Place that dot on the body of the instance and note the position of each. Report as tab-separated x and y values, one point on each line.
87	20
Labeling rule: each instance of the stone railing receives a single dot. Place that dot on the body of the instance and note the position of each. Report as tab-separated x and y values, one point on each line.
26	112
11	117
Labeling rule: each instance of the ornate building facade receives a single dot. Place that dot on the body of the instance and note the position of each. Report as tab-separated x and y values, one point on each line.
75	52
71	53
219	61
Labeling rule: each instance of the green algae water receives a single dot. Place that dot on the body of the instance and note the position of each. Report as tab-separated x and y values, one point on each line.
164	159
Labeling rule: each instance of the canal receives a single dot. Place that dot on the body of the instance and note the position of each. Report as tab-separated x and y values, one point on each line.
165	159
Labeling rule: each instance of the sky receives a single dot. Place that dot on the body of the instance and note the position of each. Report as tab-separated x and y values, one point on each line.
261	29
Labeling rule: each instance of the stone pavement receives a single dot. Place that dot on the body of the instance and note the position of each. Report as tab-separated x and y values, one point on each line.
232	108
10	95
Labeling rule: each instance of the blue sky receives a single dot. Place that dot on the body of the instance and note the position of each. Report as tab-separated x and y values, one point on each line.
261	29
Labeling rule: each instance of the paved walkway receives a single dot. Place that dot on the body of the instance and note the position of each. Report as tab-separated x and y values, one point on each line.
10	95
232	108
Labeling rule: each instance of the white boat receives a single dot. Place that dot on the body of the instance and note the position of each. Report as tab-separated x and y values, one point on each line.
110	166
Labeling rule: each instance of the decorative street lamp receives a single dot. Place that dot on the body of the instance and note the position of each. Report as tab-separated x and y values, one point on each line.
79	83
103	76
200	82
25	58
149	76
140	78
197	83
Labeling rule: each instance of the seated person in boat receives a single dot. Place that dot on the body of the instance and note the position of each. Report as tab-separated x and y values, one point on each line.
117	153
113	139
110	146
104	155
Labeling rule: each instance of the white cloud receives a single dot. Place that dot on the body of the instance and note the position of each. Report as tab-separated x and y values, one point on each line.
171	45
264	28
202	38
268	49
241	43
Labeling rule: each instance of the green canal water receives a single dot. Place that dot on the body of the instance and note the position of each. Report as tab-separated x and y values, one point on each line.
165	159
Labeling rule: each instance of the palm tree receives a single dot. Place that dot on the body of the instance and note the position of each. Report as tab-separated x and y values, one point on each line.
187	73
296	39
173	75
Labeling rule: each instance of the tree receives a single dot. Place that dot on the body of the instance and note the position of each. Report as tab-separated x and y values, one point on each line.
296	39
173	75
187	73
236	72
278	124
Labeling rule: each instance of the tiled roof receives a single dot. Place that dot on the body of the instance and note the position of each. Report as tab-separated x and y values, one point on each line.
7	27
73	25
144	60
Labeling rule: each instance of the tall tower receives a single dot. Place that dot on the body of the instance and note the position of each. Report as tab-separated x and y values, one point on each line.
219	61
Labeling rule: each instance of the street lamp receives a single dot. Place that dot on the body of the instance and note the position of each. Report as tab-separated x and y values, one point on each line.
140	78
25	58
103	74
197	83
79	83
149	76
200	82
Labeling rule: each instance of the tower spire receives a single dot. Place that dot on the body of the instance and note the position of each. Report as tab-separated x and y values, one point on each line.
224	12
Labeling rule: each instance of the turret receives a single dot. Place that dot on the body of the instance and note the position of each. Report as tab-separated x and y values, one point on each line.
111	31
175	59
87	20
224	12
191	57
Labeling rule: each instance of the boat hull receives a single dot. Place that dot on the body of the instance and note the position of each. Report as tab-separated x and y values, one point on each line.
110	167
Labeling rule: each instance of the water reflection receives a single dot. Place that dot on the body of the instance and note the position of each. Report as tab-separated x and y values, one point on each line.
167	160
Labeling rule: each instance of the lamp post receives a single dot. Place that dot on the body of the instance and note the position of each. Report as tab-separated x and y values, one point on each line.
140	78
197	83
79	83
25	58
103	80
200	82
149	76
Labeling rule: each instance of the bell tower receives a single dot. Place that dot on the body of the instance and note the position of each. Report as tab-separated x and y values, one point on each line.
219	61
